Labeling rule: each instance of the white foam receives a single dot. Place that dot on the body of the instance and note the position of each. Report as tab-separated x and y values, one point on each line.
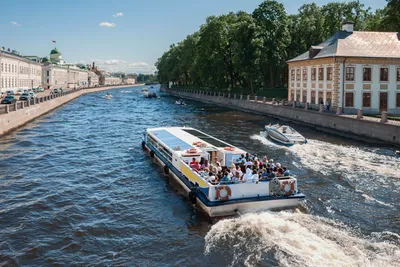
266	141
362	168
296	239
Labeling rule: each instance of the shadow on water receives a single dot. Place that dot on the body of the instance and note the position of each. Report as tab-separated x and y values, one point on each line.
78	189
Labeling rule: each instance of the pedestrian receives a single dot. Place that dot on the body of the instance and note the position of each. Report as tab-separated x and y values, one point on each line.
328	105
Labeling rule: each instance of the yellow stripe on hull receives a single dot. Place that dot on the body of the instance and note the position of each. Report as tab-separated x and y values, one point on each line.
192	176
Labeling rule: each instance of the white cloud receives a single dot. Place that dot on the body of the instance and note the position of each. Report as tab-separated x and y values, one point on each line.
107	24
15	23
119	14
116	65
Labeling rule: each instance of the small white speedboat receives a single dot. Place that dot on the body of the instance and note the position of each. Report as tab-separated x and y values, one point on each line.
283	134
145	89
108	96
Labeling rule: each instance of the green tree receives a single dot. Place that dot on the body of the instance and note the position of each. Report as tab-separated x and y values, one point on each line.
272	29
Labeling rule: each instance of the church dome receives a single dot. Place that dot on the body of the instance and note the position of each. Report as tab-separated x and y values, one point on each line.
45	59
54	51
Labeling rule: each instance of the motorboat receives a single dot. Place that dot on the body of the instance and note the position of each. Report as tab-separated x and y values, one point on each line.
283	134
397	153
108	96
174	147
150	95
180	102
144	89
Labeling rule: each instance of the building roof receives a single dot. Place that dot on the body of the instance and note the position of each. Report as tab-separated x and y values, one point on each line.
54	51
358	44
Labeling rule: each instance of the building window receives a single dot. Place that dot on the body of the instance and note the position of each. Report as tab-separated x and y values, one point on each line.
398	75
304	75
329	73
2	67
349	73
313	94
349	100
313	74
298	71
366	100
367	74
384	74
398	100
320	74
292	75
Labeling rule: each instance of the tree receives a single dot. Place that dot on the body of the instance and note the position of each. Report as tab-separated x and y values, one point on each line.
272	29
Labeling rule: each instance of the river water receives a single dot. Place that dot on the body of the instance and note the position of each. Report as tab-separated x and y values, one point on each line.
76	189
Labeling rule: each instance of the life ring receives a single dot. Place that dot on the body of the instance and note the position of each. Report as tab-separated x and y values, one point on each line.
191	150
287	187
223	192
229	148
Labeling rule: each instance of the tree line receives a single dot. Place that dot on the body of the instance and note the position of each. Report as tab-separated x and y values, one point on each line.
242	50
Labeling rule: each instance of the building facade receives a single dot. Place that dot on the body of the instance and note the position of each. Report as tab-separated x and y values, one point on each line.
112	80
58	74
18	72
93	79
351	70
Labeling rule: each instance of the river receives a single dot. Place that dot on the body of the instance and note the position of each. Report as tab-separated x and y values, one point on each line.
76	189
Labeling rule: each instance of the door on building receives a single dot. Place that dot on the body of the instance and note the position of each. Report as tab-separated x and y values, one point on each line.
383	102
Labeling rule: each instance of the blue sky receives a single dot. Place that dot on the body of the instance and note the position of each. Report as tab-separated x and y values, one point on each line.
143	30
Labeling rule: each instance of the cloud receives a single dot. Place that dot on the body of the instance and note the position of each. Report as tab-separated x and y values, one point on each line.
139	65
107	24
119	14
15	23
117	65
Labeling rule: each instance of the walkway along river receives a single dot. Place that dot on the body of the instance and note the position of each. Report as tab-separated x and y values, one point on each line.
76	189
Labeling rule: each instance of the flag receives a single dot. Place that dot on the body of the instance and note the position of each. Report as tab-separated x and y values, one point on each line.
53	41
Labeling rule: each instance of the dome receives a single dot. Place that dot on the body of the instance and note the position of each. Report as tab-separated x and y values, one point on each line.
45	59
54	51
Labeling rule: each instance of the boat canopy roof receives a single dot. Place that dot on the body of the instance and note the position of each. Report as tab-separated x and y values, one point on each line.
182	139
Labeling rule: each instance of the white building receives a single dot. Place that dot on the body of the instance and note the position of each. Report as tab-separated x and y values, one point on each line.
93	79
58	74
351	70
18	72
112	80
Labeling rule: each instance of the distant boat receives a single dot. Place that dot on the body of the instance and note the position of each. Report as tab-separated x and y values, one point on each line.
180	102
152	86
145	89
283	134
149	95
108	96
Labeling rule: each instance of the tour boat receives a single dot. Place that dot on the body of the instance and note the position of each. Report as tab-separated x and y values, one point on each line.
283	134
175	147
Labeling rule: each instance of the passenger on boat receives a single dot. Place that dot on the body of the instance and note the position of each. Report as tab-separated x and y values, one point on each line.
211	177
193	162
247	157
202	162
197	166
286	172
218	165
248	163
241	160
205	164
236	178
239	170
247	176
271	163
253	178
225	179
279	172
265	160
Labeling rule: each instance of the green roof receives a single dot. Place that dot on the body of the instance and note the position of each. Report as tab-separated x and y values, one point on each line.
45	59
54	51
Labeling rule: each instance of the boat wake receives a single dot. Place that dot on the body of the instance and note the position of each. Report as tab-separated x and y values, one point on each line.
364	168
298	239
266	141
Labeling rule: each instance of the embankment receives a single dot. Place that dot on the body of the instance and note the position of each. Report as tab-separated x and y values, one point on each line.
15	119
336	124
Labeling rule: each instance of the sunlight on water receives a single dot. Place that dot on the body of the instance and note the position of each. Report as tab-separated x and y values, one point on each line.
297	239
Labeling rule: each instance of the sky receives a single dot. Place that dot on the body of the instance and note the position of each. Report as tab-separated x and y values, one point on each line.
118	35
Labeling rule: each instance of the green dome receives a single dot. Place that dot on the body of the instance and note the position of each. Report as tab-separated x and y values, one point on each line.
54	51
45	59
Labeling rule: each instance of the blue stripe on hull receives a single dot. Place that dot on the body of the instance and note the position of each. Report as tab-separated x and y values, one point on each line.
202	194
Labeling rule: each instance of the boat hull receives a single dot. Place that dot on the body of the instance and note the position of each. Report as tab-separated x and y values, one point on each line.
232	207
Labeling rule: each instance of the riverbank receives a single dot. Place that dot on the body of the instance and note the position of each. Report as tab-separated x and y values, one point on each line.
14	119
336	124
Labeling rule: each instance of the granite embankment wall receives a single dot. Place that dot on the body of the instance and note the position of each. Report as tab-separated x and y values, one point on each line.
336	124
15	119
